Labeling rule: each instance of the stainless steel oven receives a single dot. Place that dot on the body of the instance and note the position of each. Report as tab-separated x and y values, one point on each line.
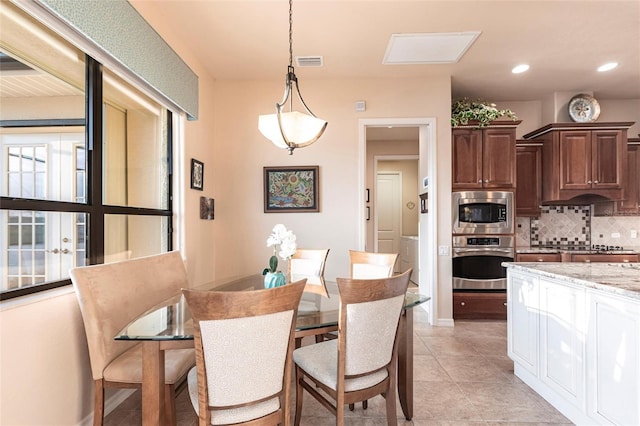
477	262
482	212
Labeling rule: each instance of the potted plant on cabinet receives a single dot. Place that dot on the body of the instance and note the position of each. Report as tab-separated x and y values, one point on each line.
477	112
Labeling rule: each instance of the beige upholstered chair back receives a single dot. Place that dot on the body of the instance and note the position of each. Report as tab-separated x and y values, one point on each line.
243	343
309	264
369	317
114	294
371	265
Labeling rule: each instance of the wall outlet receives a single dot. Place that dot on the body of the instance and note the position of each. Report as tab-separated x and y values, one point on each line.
443	250
615	235
634	233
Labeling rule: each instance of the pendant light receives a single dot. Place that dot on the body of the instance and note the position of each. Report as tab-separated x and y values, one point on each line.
291	129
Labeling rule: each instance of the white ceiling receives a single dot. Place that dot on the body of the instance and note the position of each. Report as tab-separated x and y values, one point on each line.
563	41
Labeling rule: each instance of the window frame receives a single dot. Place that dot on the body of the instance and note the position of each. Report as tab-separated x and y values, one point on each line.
93	206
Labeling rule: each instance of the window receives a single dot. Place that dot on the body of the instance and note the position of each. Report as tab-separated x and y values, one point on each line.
85	164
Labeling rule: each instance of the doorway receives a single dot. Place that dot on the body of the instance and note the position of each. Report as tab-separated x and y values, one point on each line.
427	172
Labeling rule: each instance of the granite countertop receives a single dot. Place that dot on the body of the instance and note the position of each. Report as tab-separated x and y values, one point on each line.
618	278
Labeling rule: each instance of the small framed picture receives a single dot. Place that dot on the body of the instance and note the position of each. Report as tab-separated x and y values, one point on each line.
197	174
207	208
291	189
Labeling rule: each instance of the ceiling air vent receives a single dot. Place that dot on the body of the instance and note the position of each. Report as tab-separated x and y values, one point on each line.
309	61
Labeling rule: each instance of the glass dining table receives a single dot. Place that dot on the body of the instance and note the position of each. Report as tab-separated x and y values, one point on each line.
169	326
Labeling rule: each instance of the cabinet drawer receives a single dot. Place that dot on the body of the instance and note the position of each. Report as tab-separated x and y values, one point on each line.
479	305
613	258
538	257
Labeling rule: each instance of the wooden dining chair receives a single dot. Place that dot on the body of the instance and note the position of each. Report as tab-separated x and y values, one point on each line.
309	264
244	342
110	297
365	264
361	362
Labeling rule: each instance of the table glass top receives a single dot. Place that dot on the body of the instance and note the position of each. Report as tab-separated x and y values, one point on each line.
171	320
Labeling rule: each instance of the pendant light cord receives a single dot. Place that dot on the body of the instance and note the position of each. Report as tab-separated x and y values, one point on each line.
290	33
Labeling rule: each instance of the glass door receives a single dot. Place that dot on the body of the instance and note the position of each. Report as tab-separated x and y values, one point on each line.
39	246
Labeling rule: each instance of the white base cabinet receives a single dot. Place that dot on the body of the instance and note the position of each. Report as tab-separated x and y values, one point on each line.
523	318
562	339
408	257
577	347
613	354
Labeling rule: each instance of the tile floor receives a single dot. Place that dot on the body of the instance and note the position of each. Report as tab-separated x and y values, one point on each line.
462	377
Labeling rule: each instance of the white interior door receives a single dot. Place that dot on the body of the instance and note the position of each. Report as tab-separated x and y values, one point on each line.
388	212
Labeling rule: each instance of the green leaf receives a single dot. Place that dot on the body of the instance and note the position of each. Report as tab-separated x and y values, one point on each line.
273	263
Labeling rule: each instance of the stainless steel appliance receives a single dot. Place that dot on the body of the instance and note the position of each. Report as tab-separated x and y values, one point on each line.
482	212
477	262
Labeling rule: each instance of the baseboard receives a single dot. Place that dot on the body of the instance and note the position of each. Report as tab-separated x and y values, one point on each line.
444	322
110	404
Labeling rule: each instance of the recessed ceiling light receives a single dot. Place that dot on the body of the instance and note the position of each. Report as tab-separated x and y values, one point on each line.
520	68
607	67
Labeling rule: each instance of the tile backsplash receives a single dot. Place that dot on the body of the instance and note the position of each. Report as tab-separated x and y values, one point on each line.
575	225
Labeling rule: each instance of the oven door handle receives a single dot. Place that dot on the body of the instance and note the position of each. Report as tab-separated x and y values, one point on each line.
462	252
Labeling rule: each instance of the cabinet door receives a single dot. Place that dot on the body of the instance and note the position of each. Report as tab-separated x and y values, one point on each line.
528	180
608	157
499	158
613	359
466	157
522	326
562	339
631	201
575	159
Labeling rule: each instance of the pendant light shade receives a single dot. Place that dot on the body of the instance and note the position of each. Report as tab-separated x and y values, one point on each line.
291	129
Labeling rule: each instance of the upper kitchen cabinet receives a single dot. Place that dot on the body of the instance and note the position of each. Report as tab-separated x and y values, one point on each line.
484	158
582	159
630	203
528	178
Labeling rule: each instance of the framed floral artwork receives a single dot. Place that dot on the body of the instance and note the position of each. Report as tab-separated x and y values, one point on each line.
291	189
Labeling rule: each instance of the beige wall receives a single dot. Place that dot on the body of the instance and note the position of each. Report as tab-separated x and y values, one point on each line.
242	152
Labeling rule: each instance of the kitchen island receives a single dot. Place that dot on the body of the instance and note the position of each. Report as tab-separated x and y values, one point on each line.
574	336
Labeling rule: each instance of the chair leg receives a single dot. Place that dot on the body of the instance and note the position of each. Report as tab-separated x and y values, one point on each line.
352	407
299	395
390	398
170	405
365	404
98	402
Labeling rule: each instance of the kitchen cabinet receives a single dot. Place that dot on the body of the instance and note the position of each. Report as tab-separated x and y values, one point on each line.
600	257
523	324
408	257
484	158
577	346
479	305
582	159
613	354
562	339
538	257
528	179
630	203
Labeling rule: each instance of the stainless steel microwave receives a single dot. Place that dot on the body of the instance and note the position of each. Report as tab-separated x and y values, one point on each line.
482	212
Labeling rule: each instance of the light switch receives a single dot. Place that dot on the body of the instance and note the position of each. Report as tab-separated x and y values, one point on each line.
443	250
